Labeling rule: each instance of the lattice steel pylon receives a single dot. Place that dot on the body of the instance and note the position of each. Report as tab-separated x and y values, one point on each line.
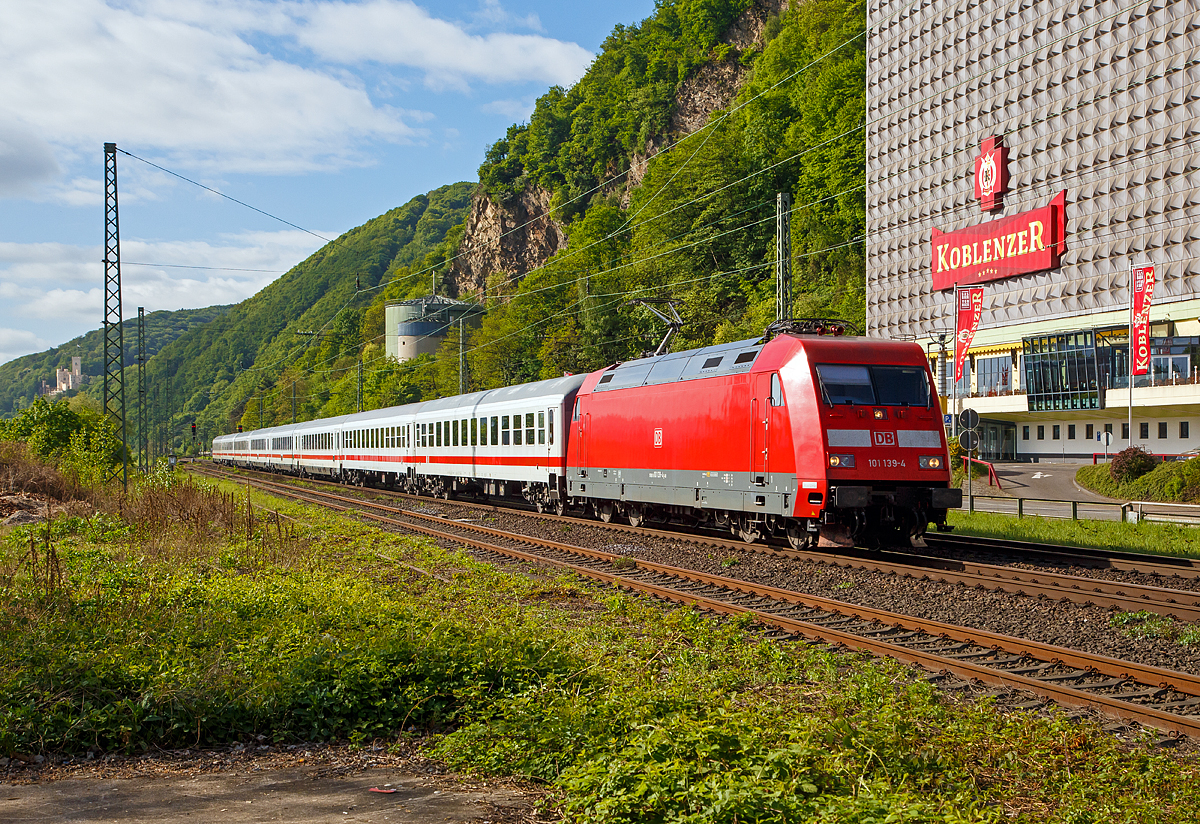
143	432
114	332
783	256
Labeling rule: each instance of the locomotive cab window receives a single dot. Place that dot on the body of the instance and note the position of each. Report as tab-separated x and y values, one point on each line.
901	385
873	385
842	384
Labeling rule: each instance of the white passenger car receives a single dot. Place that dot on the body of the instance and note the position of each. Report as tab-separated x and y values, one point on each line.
501	442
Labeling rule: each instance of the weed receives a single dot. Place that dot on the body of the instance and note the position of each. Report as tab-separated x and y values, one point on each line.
623	563
730	561
844	585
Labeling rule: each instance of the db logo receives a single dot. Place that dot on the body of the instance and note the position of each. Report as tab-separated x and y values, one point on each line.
885	438
657	438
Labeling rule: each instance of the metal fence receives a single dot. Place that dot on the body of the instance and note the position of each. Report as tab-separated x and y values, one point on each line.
1130	512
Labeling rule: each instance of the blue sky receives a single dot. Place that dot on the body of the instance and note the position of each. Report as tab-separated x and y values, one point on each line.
324	113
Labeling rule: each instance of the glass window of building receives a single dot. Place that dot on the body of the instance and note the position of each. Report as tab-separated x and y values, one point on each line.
1144	430
1057	431
1091	431
1060	372
1041	432
1162	430
1024	433
1125	431
994	375
1070	432
1183	429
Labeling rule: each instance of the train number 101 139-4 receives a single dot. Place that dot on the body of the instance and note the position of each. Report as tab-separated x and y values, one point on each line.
886	463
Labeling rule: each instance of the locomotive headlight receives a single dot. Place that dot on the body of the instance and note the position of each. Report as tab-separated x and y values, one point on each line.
931	462
841	461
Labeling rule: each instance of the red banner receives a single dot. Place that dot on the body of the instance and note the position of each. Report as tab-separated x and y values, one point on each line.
1003	248
1143	293
970	310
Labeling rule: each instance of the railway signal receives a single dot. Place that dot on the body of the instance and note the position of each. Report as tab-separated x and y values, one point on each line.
193	433
968	439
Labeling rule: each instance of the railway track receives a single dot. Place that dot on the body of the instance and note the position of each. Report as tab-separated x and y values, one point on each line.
1132	692
1130	597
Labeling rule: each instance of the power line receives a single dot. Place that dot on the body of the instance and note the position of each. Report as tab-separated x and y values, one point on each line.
208	268
228	197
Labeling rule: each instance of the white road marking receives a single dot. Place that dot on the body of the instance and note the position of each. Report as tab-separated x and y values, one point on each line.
1037	476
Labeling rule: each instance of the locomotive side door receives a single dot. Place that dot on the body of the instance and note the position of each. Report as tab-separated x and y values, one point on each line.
760	430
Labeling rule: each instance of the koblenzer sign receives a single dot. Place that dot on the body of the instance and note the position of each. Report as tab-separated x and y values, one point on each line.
1004	248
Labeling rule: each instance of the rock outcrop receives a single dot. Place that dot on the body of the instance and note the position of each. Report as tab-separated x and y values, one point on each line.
513	237
519	235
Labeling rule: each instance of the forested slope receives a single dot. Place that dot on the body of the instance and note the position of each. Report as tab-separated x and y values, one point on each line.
696	223
21	377
212	372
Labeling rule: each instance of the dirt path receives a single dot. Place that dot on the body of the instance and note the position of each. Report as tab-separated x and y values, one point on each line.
332	784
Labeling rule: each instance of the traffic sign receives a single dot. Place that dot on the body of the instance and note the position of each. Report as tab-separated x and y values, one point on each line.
947	419
968	439
968	419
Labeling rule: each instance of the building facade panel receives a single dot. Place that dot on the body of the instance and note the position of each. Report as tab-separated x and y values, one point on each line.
1095	98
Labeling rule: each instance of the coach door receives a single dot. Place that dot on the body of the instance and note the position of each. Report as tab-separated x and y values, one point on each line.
760	430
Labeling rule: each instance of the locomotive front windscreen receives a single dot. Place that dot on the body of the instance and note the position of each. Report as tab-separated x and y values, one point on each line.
873	385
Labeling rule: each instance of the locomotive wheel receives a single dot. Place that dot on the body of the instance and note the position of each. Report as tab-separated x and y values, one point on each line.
605	510
748	530
637	515
799	538
539	505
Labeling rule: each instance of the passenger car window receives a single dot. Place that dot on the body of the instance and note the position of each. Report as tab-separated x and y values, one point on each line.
495	430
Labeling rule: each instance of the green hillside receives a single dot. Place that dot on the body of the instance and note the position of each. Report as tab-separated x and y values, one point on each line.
211	374
20	378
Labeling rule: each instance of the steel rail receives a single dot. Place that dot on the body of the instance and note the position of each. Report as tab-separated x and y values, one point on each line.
1181	604
1119	672
1167	565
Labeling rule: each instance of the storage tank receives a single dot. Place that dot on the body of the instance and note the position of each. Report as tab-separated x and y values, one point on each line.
415	327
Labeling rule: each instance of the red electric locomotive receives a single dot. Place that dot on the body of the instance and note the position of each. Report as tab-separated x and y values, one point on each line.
823	439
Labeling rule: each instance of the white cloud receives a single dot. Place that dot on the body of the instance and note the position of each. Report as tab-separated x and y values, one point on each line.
17	342
222	85
58	287
82	72
25	159
399	32
491	13
510	109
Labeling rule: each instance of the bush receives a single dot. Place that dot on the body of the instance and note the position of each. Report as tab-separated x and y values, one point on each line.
1131	464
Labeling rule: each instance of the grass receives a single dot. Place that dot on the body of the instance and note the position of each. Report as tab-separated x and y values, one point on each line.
222	628
1147	537
1144	624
